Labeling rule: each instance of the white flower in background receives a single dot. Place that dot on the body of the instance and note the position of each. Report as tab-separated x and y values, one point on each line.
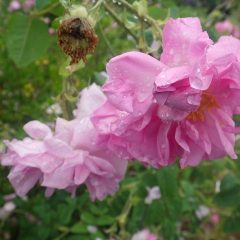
237	137
103	74
217	186
54	109
91	228
9	197
6	210
153	193
145	234
9	206
202	212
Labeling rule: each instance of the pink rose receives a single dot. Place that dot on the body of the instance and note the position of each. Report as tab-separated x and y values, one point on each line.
182	105
73	155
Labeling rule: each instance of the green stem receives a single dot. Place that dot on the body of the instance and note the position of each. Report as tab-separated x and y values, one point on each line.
106	41
44	11
97	5
149	20
142	41
122	219
118	20
64	102
146	19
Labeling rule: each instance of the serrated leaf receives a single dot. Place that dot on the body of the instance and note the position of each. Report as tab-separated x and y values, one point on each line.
27	39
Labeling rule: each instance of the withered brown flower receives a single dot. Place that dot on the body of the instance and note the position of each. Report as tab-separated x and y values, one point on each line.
77	38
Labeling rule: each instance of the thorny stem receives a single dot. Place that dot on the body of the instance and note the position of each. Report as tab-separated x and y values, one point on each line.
118	20
146	18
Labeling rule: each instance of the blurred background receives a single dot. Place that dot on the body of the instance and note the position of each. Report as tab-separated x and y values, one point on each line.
194	203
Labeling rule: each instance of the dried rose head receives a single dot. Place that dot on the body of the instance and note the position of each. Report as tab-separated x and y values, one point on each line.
77	38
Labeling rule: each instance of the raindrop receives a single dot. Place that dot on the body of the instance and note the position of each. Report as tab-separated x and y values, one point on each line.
163	76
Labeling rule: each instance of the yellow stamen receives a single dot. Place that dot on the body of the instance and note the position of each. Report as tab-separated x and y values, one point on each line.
207	102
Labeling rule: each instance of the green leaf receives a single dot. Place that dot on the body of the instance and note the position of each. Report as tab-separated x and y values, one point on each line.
229	182
98	210
65	212
228	198
27	39
88	218
231	224
43	3
158	13
104	220
79	228
174	12
85	237
230	191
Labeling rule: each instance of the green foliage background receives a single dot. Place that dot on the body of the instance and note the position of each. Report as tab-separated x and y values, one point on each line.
31	74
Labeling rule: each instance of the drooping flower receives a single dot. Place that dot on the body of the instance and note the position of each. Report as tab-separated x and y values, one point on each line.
29	158
73	155
76	35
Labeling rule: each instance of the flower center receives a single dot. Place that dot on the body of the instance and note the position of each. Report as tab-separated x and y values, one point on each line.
207	102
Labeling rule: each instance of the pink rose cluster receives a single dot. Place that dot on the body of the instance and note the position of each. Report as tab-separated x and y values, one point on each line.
153	111
227	27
